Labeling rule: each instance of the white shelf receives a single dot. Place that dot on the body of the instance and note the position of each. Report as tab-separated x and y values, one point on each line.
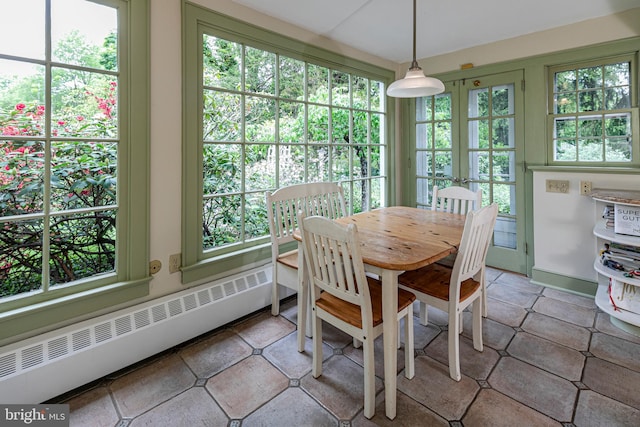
626	320
623	319
608	234
614	274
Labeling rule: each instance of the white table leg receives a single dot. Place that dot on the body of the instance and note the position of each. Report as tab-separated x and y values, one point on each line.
390	338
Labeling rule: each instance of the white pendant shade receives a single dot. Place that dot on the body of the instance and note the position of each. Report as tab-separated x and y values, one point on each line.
414	85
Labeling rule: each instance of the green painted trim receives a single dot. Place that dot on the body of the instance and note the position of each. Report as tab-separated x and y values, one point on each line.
64	309
583	169
572	284
42	311
217	266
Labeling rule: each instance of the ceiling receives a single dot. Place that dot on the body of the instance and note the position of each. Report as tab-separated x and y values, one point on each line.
384	27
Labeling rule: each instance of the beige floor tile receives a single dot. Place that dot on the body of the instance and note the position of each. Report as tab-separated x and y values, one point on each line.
215	353
571	313
473	363
556	330
293	407
613	381
594	410
93	408
247	385
616	350
497	410
151	385
535	388
264	329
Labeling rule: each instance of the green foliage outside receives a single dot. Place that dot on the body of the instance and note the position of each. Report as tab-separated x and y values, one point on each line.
61	189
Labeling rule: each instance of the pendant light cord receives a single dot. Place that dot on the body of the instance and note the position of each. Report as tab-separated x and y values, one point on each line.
414	63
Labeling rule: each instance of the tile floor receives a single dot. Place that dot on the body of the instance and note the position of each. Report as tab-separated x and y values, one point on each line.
550	358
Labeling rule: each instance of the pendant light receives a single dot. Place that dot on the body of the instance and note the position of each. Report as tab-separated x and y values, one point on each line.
415	83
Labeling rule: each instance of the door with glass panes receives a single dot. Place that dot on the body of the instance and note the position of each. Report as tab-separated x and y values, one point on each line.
471	135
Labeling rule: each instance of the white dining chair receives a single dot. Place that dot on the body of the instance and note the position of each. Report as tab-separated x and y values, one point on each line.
454	289
317	198
344	296
458	200
455	199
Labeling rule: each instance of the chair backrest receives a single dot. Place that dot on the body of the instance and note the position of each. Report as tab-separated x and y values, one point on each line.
334	262
476	238
455	199
316	198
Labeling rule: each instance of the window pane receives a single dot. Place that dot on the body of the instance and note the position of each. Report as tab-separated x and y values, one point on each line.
82	245
501	102
443	135
340	157
590	150
359	90
83	174
588	126
590	100
340	125
291	165
443	163
481	160
565	102
221	221
259	163
318	84
291	78
22	110
479	134
617	98
222	61
566	128
565	150
260	69
377	128
90	41
423	135
374	161
503	133
589	78
18	16
423	163
504	195
375	98
565	81
259	119
290	127
502	162
360	127
318	159
21	262
479	103
21	177
221	168
618	149
318	124
443	106
423	108
255	216
84	104
221	116
339	88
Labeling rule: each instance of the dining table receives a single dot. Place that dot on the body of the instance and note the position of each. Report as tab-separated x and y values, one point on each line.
394	240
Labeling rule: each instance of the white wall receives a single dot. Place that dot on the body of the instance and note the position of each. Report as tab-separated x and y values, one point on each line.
563	223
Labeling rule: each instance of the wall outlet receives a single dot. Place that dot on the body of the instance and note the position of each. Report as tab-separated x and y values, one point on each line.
175	263
154	266
557	186
585	188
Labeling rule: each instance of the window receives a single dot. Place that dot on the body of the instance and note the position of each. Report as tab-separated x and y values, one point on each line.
592	115
271	116
434	145
66	215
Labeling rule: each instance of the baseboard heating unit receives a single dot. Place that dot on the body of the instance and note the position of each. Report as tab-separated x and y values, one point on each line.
45	366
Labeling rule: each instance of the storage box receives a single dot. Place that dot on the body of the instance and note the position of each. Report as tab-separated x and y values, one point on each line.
627	219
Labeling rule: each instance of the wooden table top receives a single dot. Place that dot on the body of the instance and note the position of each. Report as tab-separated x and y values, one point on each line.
404	238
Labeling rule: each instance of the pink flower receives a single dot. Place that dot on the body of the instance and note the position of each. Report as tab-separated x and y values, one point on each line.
80	118
20	106
61	122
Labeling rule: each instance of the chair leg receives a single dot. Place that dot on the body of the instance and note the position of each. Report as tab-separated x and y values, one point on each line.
275	300
454	346
369	379
477	324
317	346
303	315
409	357
423	314
484	298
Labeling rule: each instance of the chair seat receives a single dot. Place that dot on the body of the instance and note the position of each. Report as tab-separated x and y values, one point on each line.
290	259
434	280
350	313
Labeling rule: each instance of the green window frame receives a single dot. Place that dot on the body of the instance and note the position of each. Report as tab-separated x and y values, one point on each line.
85	172
264	111
593	113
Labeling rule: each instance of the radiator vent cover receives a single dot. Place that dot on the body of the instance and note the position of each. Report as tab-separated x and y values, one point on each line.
107	328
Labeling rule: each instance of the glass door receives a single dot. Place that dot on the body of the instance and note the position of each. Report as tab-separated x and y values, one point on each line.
471	135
